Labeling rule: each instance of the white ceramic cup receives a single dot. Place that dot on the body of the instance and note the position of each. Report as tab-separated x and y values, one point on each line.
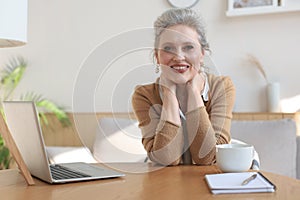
234	157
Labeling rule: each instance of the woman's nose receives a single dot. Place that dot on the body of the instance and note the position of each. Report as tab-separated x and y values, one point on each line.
178	56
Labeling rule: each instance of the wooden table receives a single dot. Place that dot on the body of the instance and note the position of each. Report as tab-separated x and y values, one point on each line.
180	182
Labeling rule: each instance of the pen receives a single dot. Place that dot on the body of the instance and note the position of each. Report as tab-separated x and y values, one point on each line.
246	181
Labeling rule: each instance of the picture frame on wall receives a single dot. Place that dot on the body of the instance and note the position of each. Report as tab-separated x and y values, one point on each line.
251	4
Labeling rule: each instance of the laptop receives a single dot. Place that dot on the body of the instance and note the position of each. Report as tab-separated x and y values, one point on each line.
24	125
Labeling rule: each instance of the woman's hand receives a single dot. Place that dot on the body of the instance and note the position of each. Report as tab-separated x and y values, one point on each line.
170	105
168	86
194	88
196	84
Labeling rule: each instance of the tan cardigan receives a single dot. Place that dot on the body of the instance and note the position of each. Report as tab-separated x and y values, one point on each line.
206	126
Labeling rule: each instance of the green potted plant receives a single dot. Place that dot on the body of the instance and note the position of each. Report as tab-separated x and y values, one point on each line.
10	77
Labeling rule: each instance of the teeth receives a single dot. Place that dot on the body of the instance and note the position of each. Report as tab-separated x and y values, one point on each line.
179	67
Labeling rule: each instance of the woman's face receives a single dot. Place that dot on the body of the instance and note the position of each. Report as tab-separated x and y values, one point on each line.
178	52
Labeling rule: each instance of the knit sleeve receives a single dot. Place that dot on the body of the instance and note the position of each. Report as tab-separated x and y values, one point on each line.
162	140
210	125
165	146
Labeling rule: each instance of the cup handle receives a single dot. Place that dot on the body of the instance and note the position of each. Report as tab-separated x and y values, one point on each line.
255	163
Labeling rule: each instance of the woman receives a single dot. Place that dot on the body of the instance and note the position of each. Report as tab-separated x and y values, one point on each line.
186	112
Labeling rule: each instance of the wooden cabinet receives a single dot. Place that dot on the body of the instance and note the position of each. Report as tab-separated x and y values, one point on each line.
57	135
264	116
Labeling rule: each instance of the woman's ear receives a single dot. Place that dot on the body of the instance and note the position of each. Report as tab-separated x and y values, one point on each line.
156	56
203	51
202	55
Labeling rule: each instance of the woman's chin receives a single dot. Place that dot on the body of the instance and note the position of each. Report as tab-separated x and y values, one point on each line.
181	81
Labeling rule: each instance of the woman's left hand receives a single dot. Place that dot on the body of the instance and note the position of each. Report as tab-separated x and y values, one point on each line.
197	82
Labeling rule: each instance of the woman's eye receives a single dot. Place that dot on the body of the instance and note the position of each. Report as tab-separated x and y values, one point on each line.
168	49
188	47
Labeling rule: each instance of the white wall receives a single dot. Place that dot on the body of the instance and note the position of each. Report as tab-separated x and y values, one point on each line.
86	53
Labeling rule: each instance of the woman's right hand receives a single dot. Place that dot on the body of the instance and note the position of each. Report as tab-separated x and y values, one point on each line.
170	105
168	86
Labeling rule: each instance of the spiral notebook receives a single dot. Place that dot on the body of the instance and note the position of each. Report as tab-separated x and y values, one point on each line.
229	183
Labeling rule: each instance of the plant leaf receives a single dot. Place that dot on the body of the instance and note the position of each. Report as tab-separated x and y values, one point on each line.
12	74
10	77
258	65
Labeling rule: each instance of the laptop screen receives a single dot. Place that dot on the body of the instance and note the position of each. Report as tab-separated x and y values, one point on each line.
23	123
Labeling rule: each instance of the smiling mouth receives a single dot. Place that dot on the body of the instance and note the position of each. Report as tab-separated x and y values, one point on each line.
180	69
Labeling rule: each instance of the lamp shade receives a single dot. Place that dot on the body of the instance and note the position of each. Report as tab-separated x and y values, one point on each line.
13	23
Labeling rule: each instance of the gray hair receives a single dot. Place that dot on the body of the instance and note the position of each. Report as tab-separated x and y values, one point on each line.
183	16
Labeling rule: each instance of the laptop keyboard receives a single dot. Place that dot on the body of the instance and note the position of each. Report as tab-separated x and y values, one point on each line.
59	172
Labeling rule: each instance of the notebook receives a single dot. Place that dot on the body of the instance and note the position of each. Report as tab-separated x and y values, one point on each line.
24	126
227	183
